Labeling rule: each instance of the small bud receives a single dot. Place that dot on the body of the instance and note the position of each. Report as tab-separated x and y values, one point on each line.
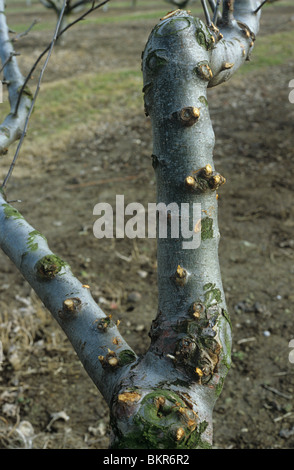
160	401
199	372
216	181
180	434
204	71
189	115
190	182
207	170
180	275
113	361
104	323
228	65
196	309
69	305
169	14
247	33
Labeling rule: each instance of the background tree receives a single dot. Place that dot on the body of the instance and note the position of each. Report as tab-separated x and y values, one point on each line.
190	353
72	7
179	3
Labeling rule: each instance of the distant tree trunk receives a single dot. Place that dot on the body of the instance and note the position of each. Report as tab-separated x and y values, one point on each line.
179	3
164	399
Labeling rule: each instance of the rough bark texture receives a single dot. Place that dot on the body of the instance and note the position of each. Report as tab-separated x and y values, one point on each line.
164	399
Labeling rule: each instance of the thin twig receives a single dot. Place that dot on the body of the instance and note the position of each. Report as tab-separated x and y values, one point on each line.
24	33
286	415
212	4
260	6
12	54
216	11
277	392
206	12
49	50
93	8
34	98
228	11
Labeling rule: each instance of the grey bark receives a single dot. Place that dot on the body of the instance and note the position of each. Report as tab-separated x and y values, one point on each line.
164	399
12	126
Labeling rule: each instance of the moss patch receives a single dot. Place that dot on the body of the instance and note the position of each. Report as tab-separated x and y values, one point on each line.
206	228
10	211
203	36
49	266
126	357
212	295
32	244
172	26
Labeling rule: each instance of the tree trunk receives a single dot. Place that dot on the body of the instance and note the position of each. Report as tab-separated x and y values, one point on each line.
168	399
179	3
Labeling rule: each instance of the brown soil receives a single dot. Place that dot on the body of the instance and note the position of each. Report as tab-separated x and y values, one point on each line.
253	122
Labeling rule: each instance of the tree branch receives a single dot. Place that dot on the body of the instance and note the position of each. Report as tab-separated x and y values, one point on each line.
24	33
60	33
94	336
12	127
238	30
96	339
30	110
